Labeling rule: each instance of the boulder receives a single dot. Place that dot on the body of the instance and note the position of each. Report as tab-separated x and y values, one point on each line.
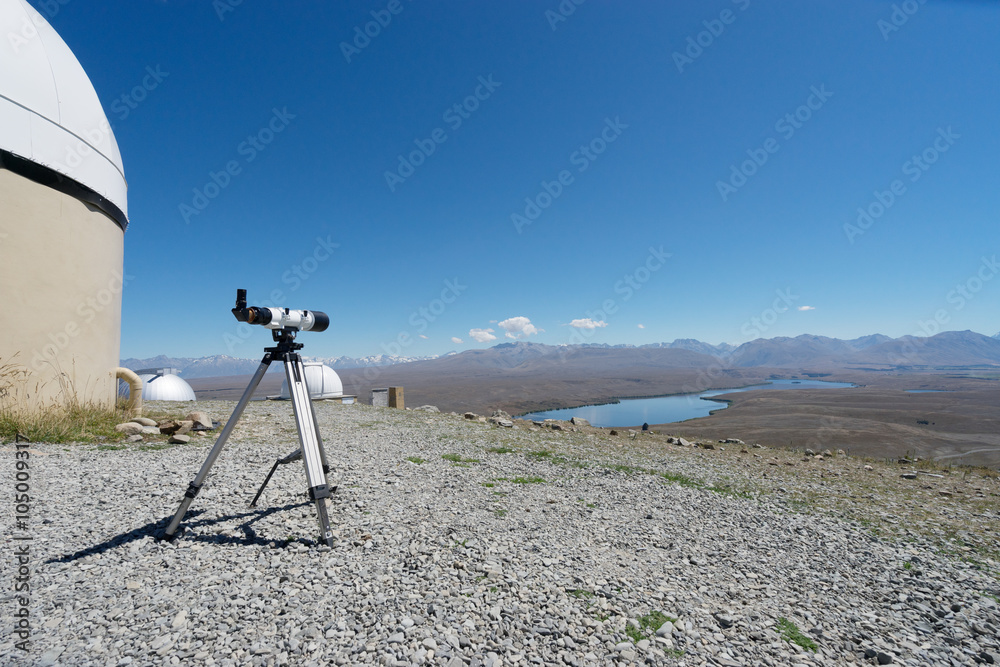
427	408
172	427
471	415
150	430
202	420
145	421
129	428
724	620
577	421
500	414
179	439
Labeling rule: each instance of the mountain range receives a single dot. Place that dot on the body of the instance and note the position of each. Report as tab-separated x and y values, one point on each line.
950	348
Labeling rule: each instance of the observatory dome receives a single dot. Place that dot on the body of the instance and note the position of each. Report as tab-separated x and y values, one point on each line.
63	213
163	384
50	114
160	384
322	381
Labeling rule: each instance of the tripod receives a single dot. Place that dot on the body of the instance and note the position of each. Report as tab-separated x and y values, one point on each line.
311	446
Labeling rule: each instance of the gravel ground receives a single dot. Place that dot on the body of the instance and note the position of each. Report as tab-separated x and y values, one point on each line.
556	547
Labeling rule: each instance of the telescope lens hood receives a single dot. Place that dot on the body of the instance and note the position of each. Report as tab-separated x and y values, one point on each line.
322	321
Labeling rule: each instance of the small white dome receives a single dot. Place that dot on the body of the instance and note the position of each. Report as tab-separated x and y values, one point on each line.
166	388
49	111
321	380
161	384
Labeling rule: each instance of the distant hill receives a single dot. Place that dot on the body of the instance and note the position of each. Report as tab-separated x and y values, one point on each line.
695	346
950	348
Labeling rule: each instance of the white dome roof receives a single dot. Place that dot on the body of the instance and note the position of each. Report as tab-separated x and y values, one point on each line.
322	381
160	385
165	388
49	111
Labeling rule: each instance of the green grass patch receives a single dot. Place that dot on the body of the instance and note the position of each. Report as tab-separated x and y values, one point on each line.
790	633
457	458
489	485
654	620
648	625
416	459
500	513
70	423
580	593
528	480
634	633
683	480
500	450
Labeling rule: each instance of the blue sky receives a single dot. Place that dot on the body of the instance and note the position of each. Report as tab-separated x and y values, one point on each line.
693	168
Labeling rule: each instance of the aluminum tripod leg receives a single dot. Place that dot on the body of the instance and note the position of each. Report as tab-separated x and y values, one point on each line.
195	486
294	456
312	447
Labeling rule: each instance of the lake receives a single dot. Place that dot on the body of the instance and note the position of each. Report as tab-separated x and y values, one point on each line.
668	409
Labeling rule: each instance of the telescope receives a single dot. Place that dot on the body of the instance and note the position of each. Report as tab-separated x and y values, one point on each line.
284	323
279	318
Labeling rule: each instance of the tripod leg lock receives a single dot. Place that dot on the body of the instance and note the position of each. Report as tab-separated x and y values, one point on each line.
317	492
192	491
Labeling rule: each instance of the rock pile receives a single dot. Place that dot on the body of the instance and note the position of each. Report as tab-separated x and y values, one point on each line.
197	422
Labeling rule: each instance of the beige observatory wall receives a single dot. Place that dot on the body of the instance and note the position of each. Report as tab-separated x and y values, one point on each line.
60	285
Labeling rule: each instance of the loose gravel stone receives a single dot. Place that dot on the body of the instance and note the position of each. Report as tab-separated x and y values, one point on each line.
504	546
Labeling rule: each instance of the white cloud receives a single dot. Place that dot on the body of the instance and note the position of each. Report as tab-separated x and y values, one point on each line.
587	323
423	336
456	340
642	326
482	335
518	327
807	307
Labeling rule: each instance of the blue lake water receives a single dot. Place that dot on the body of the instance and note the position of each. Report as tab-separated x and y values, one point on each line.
669	409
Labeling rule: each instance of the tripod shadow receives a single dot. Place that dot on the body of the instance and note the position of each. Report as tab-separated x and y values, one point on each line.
155	529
